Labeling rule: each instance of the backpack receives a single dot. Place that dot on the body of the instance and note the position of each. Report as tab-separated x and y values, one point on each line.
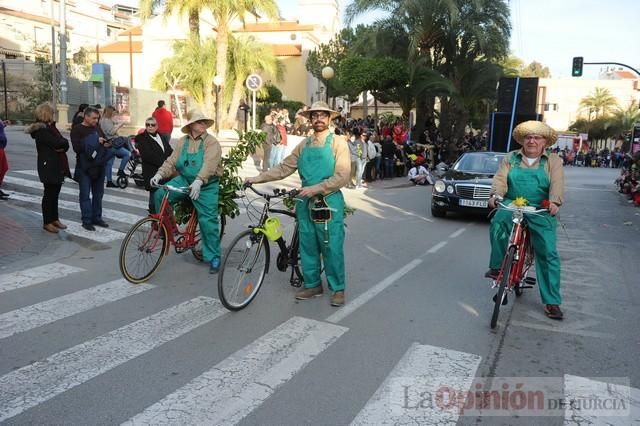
372	152
277	137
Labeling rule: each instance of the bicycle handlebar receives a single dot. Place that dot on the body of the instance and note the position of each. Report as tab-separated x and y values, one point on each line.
277	193
523	209
181	189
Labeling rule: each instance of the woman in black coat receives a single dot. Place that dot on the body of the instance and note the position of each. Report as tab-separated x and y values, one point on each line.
52	163
153	151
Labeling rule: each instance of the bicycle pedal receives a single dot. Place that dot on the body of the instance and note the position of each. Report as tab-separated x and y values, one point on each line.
296	282
526	286
530	281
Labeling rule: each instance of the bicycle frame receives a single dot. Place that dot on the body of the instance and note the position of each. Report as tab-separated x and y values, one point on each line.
521	240
186	238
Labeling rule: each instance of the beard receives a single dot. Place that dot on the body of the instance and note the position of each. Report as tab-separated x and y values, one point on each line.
319	126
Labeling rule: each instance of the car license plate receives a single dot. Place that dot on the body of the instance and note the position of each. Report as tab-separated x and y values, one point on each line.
473	203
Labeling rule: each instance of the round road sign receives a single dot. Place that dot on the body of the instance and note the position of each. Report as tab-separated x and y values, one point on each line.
254	82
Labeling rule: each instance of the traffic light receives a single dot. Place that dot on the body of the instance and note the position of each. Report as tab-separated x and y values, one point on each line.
576	70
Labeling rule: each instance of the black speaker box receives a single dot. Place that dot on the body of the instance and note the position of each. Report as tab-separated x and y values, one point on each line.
499	138
527	95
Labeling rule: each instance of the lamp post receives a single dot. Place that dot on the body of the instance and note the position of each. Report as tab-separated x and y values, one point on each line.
217	81
327	74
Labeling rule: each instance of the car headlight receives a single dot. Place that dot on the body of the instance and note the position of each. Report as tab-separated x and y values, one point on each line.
439	186
450	189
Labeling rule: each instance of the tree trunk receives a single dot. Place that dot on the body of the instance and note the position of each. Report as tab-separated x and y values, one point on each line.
238	90
365	105
421	116
375	110
222	45
194	24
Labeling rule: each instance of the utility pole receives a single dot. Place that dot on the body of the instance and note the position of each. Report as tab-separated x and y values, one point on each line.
4	85
54	97
63	52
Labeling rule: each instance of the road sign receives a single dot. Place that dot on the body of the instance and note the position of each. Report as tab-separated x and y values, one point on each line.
254	82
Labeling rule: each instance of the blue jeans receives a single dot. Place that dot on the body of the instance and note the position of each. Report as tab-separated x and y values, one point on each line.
121	152
91	192
359	171
277	154
388	168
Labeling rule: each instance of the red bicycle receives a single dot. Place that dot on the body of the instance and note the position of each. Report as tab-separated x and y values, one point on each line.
518	260
147	242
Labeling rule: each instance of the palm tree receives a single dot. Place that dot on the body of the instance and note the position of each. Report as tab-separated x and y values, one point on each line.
246	56
224	12
623	120
191	68
192	8
601	102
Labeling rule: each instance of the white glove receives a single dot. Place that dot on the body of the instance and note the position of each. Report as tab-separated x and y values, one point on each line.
194	193
155	180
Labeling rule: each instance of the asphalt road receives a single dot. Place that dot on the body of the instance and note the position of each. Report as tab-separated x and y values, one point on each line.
79	346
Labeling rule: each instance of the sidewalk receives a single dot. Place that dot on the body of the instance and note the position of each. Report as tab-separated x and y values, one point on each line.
23	239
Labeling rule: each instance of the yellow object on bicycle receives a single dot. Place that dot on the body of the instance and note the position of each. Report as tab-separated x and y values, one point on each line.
520	202
272	229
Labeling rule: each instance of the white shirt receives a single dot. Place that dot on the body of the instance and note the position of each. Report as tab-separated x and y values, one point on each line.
157	138
417	170
530	161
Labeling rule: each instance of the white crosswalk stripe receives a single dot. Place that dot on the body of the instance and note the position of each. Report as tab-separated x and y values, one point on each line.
596	402
36	275
422	371
38	382
33	316
140	202
232	389
131	189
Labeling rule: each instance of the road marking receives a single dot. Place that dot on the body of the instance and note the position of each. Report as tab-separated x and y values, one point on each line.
37	315
457	233
435	248
72	205
236	386
577	188
350	307
101	235
76	190
134	190
38	382
620	403
402	399
37	275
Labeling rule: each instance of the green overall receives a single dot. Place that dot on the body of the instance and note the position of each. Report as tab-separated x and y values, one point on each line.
532	184
188	165
315	165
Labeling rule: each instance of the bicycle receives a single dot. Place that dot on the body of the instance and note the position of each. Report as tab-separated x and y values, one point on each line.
246	261
148	241
518	259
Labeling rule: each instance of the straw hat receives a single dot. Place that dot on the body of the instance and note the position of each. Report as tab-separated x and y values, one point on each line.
193	116
533	127
320	106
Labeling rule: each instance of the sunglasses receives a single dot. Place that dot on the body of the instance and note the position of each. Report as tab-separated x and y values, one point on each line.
150	124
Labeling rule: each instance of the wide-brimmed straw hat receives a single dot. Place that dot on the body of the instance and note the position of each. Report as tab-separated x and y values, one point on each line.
533	127
193	116
320	106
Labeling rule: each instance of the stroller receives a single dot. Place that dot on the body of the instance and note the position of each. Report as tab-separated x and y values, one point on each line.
131	170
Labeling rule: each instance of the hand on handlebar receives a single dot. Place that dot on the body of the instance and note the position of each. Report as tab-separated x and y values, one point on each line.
155	180
553	209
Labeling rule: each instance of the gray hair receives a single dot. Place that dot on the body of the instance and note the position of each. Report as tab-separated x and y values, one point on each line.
90	110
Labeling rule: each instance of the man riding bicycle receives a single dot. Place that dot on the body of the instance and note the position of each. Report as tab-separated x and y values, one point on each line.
197	158
324	164
538	177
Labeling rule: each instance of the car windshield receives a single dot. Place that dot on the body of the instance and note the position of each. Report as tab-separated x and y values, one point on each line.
485	163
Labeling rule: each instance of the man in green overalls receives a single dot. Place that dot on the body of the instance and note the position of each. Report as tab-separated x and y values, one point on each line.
196	158
324	164
538	177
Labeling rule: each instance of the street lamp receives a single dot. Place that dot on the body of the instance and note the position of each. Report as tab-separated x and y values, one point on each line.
327	74
217	81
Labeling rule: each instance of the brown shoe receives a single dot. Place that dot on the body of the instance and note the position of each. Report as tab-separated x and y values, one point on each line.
337	298
50	227
308	293
492	274
553	312
59	224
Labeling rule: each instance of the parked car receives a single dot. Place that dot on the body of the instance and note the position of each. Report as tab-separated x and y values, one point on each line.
465	187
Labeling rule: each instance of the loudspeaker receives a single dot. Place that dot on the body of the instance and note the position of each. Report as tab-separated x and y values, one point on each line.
527	95
499	138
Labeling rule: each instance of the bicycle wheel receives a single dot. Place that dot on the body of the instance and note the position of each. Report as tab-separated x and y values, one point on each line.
243	269
142	250
502	288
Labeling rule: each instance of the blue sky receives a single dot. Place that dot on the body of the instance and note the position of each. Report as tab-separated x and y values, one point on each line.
554	31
